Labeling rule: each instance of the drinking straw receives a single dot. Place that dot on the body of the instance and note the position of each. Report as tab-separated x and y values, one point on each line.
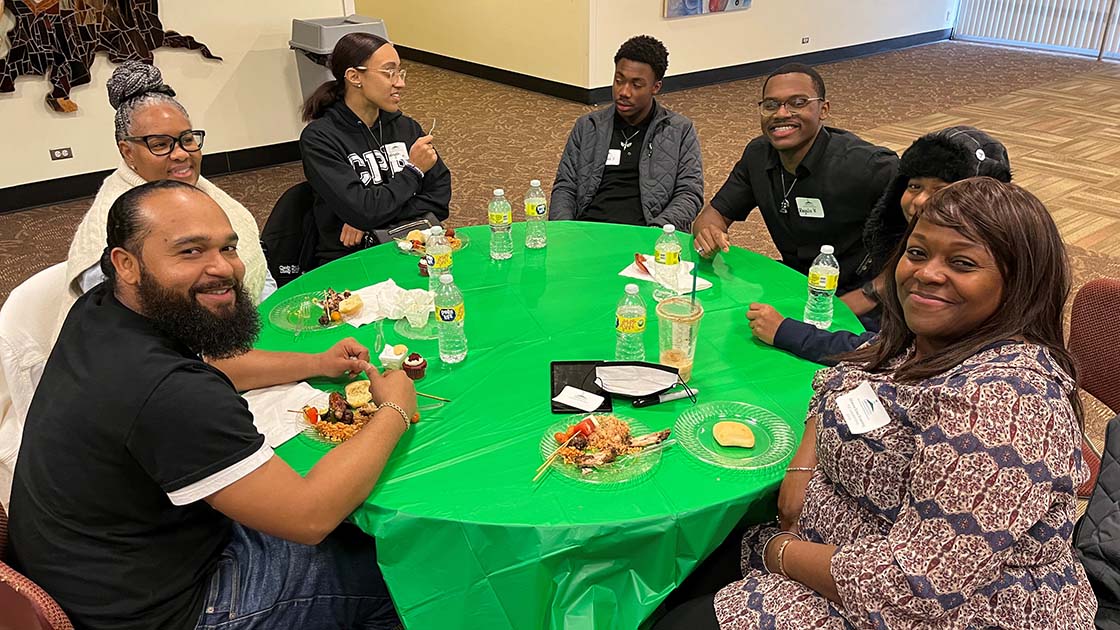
695	270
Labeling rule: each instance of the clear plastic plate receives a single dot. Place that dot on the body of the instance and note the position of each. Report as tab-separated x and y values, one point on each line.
299	313
625	469
311	434
464	242
774	439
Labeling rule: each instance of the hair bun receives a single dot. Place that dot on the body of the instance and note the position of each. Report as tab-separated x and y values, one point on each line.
133	79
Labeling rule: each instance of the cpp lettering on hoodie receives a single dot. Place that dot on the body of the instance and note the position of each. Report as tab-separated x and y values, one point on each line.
375	166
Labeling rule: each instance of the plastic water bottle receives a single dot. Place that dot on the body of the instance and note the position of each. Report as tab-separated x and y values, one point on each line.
630	326
536	216
823	276
501	216
666	263
449	313
439	257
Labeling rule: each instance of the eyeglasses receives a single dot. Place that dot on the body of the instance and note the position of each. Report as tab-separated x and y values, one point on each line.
392	74
161	144
770	106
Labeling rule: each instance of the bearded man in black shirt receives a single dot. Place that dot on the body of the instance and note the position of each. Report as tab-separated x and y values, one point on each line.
144	497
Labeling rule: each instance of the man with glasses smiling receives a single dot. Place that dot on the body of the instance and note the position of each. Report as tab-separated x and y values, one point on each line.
814	185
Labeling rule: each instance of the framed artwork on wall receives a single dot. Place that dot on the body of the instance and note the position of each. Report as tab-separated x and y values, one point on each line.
59	39
683	8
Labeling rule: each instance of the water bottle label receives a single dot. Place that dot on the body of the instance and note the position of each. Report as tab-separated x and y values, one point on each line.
667	258
630	324
826	281
501	218
440	261
535	209
451	313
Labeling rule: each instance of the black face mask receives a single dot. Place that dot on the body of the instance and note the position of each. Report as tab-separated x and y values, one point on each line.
215	336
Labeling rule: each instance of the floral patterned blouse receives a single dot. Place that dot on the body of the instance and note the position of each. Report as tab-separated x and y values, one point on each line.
957	514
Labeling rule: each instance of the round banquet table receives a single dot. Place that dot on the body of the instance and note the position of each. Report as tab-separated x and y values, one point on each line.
464	538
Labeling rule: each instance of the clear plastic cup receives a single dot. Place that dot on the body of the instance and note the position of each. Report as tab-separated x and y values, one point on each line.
678	322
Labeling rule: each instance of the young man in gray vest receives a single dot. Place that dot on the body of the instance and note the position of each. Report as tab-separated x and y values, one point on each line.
634	162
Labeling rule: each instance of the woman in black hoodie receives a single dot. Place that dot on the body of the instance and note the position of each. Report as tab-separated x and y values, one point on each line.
934	161
371	167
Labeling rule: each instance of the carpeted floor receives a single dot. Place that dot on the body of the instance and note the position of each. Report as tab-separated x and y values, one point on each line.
492	135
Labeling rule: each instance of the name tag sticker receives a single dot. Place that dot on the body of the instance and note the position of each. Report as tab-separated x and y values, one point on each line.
398	155
809	207
862	410
614	157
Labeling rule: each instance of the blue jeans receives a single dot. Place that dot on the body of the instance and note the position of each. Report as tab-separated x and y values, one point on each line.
265	582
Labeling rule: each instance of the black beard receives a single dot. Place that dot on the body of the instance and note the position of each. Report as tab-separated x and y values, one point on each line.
184	319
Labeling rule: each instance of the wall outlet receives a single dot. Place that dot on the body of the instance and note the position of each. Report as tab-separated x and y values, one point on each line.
65	153
804	40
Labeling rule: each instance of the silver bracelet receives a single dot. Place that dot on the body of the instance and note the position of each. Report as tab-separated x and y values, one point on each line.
769	540
766	545
398	409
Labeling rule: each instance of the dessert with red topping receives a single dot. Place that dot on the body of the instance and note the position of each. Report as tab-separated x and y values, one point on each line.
415	366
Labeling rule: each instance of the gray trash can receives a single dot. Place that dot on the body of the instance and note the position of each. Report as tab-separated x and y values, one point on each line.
314	39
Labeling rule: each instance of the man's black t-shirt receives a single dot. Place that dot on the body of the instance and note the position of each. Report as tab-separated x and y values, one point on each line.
830	196
122	418
619	198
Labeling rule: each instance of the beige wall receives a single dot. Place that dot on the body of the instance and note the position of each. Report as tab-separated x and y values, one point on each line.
250	99
495	33
770	29
577	39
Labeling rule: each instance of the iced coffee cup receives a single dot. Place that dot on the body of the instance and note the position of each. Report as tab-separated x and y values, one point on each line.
678	321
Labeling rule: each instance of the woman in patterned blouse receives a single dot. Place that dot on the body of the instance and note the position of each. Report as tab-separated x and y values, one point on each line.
934	486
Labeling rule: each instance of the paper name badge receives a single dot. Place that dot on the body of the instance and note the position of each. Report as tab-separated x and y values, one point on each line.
614	157
809	207
398	156
582	400
862	410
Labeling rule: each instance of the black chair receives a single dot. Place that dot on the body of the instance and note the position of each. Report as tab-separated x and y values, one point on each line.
289	236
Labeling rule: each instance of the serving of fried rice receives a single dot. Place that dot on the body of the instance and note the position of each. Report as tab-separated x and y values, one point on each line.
612	436
339	432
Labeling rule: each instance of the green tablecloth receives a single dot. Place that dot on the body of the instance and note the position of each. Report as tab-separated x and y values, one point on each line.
464	539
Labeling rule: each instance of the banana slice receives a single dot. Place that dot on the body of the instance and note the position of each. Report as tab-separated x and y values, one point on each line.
733	434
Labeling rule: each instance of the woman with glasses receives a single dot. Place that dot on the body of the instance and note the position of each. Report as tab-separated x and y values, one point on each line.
372	168
156	141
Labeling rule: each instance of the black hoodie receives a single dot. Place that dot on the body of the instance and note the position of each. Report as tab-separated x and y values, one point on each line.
359	176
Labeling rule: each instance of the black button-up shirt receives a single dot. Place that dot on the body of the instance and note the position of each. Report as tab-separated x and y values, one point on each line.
845	173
